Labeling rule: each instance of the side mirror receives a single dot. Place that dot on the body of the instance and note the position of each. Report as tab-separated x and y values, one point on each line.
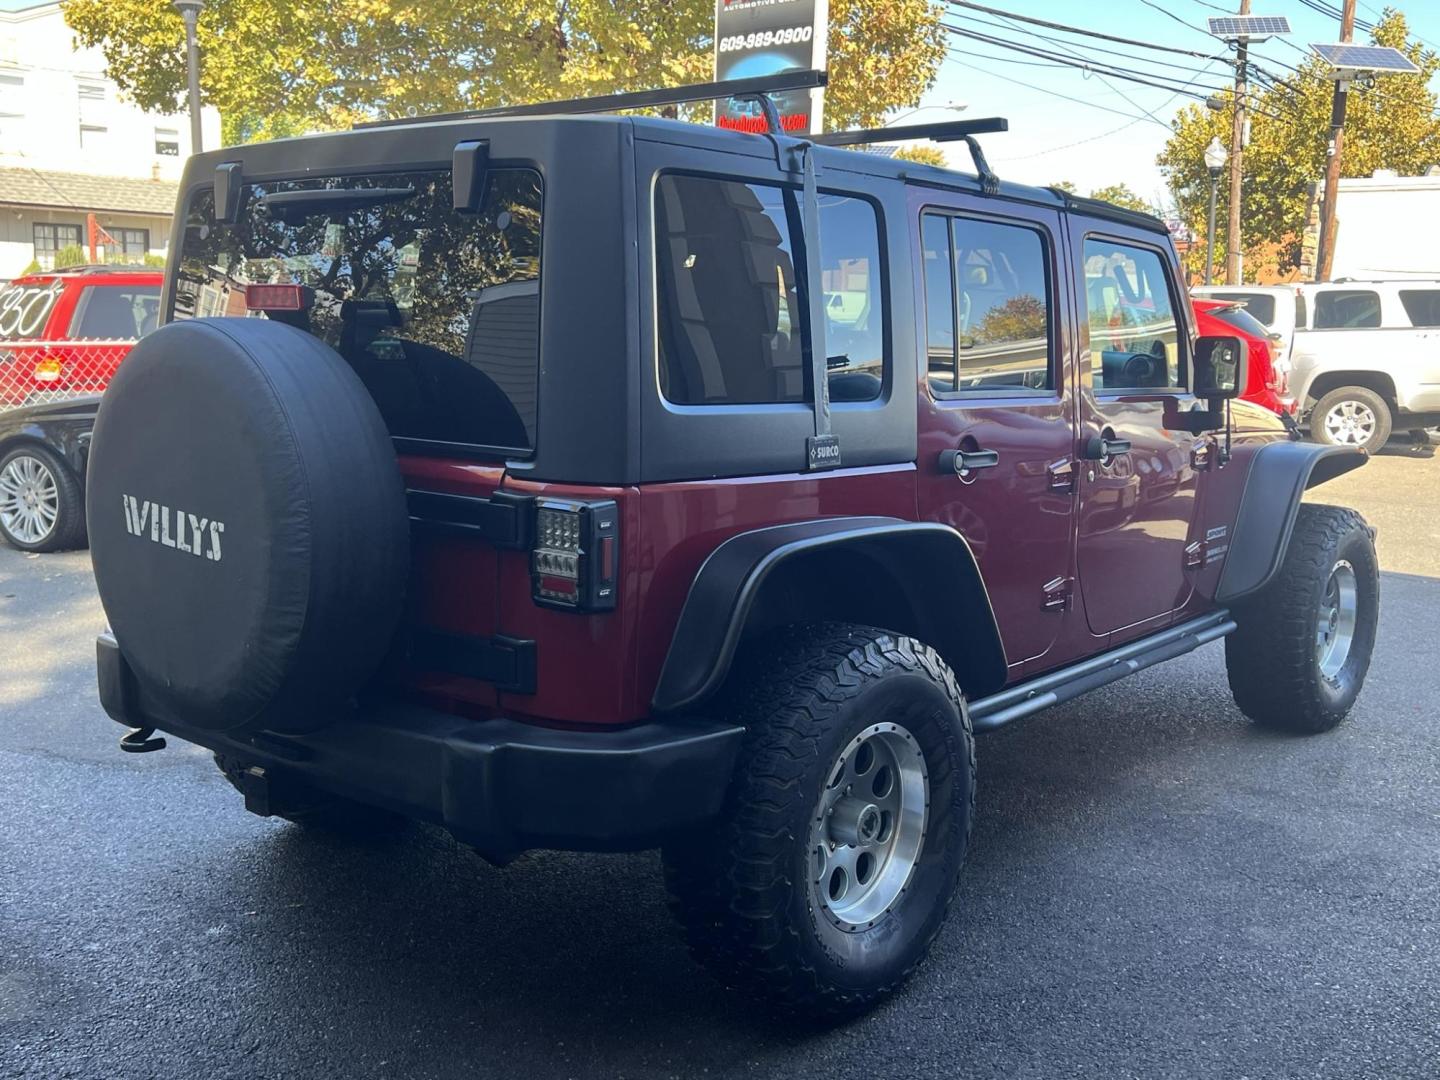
1220	367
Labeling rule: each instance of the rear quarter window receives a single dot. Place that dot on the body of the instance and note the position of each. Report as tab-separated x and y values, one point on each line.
1347	309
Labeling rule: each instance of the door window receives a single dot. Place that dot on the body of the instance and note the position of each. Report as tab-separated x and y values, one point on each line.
1134	334
1347	309
731	307
987	306
1422	306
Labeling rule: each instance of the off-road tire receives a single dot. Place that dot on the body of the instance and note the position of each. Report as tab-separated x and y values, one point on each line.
1362	395
69	529
321	811
741	889
1272	658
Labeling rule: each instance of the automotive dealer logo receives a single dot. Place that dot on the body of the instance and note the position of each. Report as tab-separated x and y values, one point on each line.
173	528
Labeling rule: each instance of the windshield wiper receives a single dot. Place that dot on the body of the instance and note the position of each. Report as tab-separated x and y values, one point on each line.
292	204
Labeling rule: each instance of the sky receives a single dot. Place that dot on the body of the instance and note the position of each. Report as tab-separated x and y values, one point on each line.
1052	139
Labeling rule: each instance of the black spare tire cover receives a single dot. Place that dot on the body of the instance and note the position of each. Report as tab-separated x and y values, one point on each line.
247	524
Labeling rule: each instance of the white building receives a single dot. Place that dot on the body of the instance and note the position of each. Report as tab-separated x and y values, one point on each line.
1386	226
71	147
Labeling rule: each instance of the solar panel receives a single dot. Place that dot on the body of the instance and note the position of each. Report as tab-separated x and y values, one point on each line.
1238	26
1366	58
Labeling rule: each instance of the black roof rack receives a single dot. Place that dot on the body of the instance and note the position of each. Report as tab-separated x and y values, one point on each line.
641	99
945	131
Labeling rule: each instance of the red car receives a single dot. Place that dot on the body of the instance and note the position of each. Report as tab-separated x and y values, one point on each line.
1267	384
65	333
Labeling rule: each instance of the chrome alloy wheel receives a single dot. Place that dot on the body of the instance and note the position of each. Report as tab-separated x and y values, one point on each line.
869	827
1351	423
1335	627
29	499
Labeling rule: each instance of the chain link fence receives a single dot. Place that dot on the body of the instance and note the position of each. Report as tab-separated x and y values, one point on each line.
38	372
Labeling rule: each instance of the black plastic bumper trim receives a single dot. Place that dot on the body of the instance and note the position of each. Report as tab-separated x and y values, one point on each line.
500	785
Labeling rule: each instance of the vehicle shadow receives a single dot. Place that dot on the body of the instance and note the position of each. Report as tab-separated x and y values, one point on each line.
558	958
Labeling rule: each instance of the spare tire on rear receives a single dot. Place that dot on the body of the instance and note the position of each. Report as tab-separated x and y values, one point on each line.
248	527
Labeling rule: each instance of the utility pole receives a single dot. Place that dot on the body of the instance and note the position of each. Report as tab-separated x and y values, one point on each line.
190	12
1325	251
1237	159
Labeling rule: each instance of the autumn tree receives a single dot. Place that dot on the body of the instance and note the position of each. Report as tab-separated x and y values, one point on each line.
1391	124
1121	195
277	67
923	154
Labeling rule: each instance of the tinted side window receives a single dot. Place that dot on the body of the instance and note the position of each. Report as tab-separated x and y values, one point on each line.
1346	309
1134	335
852	278
732	313
1422	306
110	312
995	291
729	306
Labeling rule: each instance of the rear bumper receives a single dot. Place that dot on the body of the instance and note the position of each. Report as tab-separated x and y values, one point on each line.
499	785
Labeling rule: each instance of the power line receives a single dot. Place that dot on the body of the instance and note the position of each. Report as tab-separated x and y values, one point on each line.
1010	24
1076	29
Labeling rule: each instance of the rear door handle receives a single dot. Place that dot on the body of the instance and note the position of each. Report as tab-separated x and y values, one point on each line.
1099	448
964	462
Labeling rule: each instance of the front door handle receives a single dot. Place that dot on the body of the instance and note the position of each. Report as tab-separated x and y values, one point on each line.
1102	448
963	463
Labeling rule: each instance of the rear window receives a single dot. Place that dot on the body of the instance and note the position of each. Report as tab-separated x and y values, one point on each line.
1260	305
1241	319
1347	309
116	312
1422	306
437	312
25	309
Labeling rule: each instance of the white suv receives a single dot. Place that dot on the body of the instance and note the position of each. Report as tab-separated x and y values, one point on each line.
1364	356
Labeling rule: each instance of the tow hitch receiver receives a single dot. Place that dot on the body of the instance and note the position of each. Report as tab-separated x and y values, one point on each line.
141	741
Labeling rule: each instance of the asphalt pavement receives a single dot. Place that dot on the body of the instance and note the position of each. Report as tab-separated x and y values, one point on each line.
1155	889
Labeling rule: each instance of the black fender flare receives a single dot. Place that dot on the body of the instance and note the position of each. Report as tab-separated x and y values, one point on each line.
1280	472
931	564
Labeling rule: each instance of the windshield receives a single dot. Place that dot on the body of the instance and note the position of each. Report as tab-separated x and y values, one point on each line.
25	309
437	312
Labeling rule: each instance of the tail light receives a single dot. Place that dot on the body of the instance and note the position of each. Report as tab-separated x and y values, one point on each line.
277	297
573	565
49	369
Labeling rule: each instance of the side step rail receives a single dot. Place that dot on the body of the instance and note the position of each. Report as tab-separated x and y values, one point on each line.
1069	683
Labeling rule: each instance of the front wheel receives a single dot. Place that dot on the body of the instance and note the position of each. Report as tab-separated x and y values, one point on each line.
1352	416
834	862
1302	646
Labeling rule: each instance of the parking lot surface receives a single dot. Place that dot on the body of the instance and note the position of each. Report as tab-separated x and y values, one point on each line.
1155	889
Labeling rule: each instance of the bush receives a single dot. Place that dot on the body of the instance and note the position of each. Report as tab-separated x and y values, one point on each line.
71	255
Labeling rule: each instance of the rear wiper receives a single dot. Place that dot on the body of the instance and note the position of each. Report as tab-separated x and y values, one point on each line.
289	204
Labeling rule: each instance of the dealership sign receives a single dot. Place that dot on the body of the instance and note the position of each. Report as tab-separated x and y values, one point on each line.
754	38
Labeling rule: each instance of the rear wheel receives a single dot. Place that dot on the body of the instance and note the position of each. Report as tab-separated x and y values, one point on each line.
1352	416
833	865
1300	652
40	504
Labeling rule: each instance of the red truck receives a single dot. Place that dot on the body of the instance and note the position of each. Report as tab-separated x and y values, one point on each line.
65	332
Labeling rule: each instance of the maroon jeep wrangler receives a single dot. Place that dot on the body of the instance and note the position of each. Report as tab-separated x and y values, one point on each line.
604	482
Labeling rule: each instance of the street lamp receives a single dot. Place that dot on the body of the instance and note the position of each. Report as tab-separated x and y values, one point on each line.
190	12
1215	164
951	106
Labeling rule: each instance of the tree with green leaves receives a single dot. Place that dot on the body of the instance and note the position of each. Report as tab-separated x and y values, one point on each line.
923	154
1391	124
1121	195
278	67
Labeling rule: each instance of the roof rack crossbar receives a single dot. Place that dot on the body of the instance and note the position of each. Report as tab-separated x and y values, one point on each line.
948	131
641	99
